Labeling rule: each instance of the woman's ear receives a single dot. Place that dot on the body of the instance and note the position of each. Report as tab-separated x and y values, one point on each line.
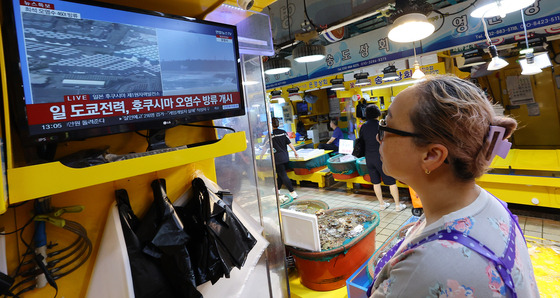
434	156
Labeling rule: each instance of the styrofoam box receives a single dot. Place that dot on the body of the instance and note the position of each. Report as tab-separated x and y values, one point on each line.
301	230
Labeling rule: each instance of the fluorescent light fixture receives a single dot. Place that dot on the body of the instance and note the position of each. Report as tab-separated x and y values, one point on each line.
390	73
494	8
409	82
411	27
418	73
474	57
337	84
361	79
497	62
277	66
309	53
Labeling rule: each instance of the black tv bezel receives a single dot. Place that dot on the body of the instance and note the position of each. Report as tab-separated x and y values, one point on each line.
16	95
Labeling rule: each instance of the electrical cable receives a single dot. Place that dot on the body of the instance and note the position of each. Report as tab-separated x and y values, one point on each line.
210	126
20	229
442	19
443	15
460	11
486	30
141	134
18	204
524	27
307	16
82	248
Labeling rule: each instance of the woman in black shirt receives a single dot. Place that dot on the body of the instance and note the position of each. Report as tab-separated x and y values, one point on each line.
368	132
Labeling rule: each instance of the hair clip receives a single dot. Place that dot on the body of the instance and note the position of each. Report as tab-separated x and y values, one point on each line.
498	146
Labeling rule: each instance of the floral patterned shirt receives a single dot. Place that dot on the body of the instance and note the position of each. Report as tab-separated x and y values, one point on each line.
442	268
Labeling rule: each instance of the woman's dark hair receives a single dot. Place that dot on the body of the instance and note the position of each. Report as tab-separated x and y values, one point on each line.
275	122
372	111
334	121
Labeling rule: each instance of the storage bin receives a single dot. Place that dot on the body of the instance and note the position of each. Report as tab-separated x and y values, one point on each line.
328	269
313	163
361	166
343	166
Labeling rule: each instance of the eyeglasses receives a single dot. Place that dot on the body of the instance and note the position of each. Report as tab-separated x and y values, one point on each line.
383	128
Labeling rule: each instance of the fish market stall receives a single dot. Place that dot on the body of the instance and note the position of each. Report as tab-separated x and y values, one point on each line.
347	238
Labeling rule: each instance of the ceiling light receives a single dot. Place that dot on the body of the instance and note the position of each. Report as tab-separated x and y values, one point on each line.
337	84
362	79
496	62
276	96
309	53
411	27
418	73
277	65
473	57
390	73
528	66
494	8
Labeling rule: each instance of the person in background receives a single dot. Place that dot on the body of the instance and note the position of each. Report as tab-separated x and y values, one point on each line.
368	132
280	141
351	127
301	132
439	136
332	143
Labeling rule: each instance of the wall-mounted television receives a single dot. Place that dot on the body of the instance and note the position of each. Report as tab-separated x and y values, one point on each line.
301	108
78	69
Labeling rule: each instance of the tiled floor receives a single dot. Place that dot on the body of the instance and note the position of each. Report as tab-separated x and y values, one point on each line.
338	196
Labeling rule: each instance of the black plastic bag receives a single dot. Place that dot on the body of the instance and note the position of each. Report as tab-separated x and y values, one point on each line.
359	148
229	231
210	261
219	240
147	275
169	242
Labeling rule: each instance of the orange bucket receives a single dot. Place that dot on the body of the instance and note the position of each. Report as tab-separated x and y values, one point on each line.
344	176
328	270
416	203
303	171
367	178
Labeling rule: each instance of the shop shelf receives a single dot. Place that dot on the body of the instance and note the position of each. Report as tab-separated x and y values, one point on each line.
54	177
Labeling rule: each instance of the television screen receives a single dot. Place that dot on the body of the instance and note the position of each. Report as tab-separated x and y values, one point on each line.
79	70
301	108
